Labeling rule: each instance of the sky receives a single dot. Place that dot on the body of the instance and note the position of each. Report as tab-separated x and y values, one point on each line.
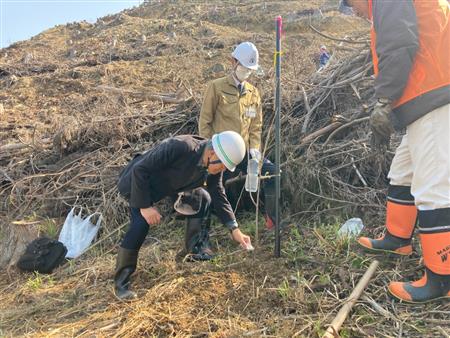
22	19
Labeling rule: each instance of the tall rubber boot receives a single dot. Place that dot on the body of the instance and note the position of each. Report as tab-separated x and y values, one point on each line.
191	234
435	283
401	217
269	203
196	239
268	188
125	267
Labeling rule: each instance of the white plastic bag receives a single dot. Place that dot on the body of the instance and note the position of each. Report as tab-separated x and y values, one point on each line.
78	233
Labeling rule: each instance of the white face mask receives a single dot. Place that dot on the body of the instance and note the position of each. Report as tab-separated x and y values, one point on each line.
242	73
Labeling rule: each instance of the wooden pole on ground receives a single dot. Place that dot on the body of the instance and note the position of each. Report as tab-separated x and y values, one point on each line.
337	322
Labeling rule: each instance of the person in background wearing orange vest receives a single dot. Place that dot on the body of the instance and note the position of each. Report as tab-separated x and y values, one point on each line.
411	54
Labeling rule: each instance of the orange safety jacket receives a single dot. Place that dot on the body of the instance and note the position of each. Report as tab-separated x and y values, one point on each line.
415	38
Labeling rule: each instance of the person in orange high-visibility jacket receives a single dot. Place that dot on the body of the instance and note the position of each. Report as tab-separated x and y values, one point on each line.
411	54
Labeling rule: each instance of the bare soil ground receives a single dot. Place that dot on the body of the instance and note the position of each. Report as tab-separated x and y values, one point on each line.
77	101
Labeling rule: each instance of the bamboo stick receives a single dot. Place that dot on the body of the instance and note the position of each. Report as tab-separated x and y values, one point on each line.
337	322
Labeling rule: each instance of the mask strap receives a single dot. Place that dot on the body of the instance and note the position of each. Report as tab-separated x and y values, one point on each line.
212	162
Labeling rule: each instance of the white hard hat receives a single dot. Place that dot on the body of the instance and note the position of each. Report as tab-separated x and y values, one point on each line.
229	148
247	55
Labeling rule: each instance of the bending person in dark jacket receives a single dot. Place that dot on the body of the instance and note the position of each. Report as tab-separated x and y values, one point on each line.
192	167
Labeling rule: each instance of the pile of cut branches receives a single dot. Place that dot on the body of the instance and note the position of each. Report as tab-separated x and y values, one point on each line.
327	162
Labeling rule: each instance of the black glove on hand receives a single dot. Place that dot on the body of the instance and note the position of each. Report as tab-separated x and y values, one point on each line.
379	142
381	125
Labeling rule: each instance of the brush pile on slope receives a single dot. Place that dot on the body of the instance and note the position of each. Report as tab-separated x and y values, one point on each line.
74	155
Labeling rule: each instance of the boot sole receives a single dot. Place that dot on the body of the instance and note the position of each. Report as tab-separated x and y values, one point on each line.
132	296
385	251
419	302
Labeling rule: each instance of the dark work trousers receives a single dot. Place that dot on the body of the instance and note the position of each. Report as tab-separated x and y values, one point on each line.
267	185
138	229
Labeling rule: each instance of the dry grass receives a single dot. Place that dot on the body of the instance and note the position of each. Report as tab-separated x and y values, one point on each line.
235	295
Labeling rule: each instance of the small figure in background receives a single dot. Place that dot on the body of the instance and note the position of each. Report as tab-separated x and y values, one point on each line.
324	57
344	8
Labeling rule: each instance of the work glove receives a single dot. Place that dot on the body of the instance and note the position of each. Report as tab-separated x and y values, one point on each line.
255	153
381	125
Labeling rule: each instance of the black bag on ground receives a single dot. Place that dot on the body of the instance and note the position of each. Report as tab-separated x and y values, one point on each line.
42	255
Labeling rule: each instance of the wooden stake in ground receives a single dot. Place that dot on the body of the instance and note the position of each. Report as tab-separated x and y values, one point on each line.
337	322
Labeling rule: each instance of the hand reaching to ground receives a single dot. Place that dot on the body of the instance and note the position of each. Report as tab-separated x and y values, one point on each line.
151	215
244	240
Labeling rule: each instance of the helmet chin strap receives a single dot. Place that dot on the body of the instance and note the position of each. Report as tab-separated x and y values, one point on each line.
234	71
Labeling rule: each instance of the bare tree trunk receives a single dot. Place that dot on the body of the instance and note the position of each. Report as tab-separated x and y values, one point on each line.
13	240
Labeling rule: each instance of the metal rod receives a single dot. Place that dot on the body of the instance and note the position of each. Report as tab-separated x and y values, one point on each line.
279	24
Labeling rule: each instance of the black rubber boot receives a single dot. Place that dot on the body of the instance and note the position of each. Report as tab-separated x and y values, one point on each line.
196	239
430	287
387	243
125	267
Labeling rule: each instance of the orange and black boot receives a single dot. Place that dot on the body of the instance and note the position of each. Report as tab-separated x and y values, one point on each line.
401	216
435	239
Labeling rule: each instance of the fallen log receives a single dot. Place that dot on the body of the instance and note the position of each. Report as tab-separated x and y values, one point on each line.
14	239
13	146
319	132
20	146
165	98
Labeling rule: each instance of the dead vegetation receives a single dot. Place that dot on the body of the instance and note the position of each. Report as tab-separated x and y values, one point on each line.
79	100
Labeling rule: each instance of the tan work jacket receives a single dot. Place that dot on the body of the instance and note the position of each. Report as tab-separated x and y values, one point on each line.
224	108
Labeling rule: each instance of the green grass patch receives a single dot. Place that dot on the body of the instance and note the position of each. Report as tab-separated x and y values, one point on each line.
39	281
49	228
284	290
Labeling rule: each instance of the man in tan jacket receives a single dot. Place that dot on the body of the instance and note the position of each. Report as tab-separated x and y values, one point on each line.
232	103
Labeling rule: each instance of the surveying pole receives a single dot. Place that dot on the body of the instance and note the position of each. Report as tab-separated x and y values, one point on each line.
279	24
